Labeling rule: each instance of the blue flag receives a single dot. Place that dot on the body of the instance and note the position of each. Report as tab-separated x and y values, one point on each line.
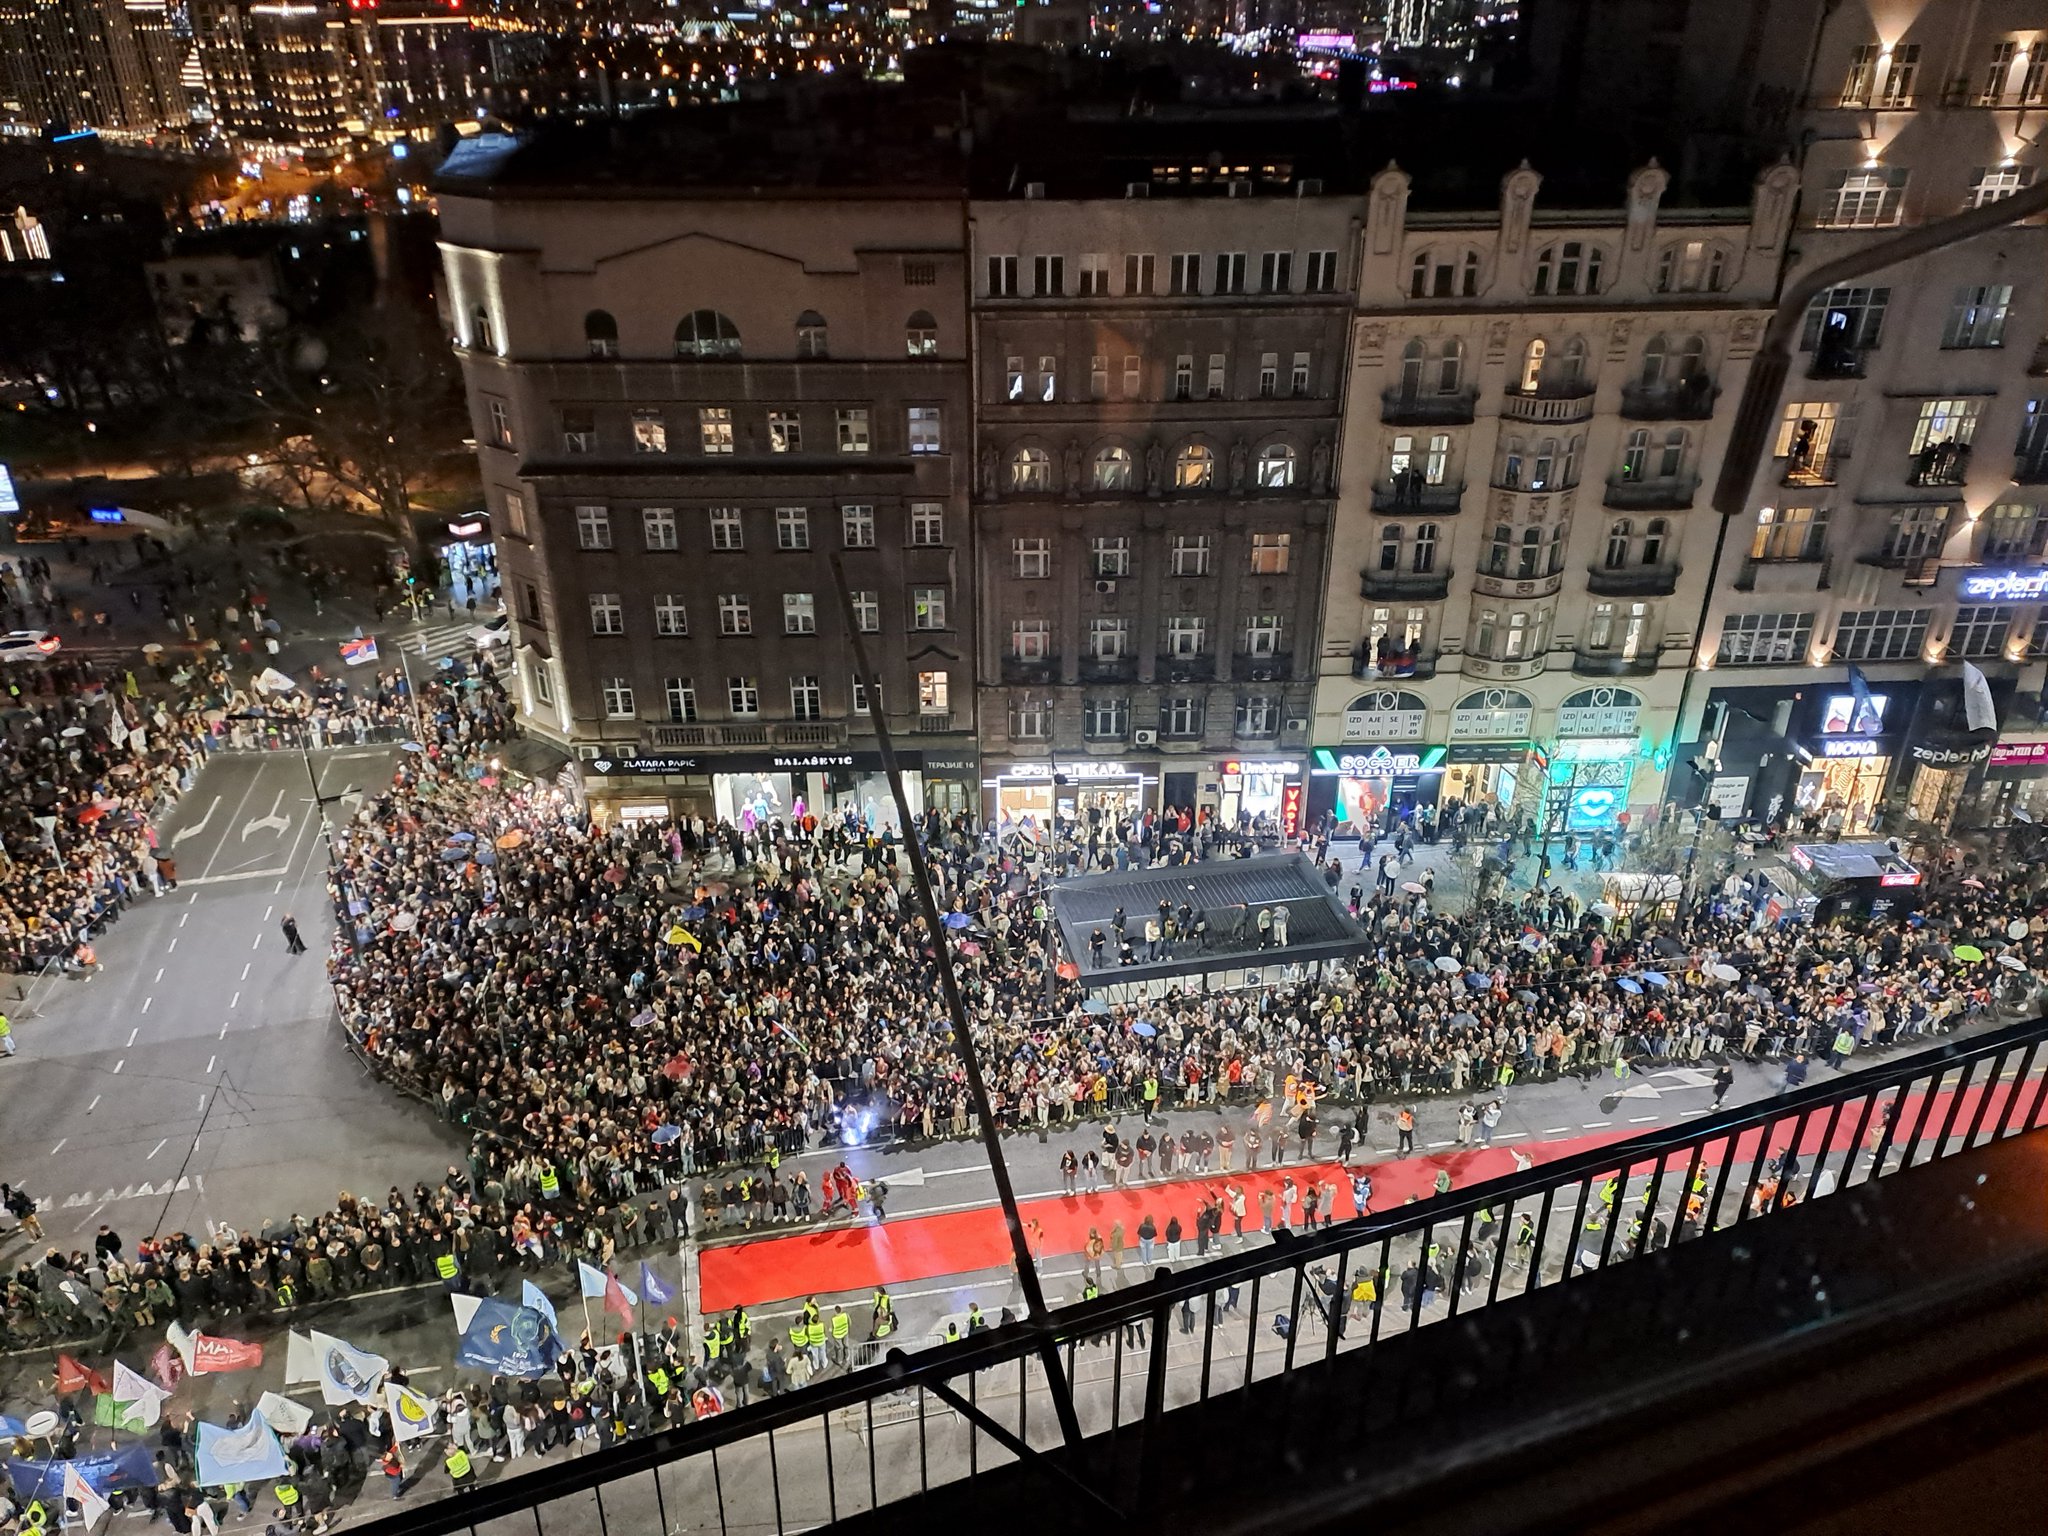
590	1278
652	1288
126	1466
508	1341
533	1296
1868	718
244	1455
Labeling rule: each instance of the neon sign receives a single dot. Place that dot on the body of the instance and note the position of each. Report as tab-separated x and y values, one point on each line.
1848	749
2004	586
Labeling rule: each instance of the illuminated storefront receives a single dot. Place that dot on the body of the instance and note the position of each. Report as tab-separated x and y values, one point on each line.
1359	784
2015	785
1021	794
757	789
1487	761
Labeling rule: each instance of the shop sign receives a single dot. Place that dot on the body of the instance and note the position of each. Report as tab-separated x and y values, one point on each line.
1842	715
468	529
810	762
1593	808
1086	770
1728	795
1597	749
1281	766
2019	754
1490	752
1478	723
1385	724
1380	763
1599	719
1900	877
648	762
1855	747
745	762
1949	757
1290	809
937	763
2004	586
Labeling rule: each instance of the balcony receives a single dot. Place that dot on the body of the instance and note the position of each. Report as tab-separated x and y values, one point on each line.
932	722
1268	668
1549	405
1504	582
1587	663
2033	471
1419	408
1942	463
1185	669
1812	468
679	736
1415	586
1505	669
1412	496
1632	580
1784	577
1034	670
1395	667
1664	493
1688	399
1835	363
1109	669
1916	568
810	733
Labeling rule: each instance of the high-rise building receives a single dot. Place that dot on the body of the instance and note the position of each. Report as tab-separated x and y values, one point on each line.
415	63
275	76
89	64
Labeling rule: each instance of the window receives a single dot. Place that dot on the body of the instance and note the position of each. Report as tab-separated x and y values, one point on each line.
1881	634
1137	275
927	607
921	334
706	333
1764	639
1031	559
501	424
606	616
1916	532
1218	366
853	428
1262	635
1184	377
1862	74
714	428
1191	554
1618	544
2012	531
1483	631
1108	639
1114	469
1862	199
1692	266
1976	318
1570	267
2034	84
810	335
1271	553
1297	379
529	602
1048	380
924	429
792	528
671	617
1269	375
618	699
727	531
2032	448
934	693
1789	533
1390	547
785	432
1098	377
743	696
593	528
1104	719
1110	557
1994	183
480	336
1048	276
735	614
1276	272
1094	275
1426	535
860	695
1134	376
1031	470
543	680
1030	719
515	515
1900	77
1275	468
1013	378
1444	275
1184	275
1030	639
658	527
1846	318
1322	272
1002	277
1181	715
867	612
1194	468
601	334
682	700
1230	272
1941	440
1981	631
806	698
1186	635
927	524
799	613
856	527
1635	455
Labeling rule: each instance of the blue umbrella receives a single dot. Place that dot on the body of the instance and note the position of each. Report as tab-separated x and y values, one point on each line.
410	746
462	837
666	1134
1142	1028
454	855
1629	984
1095	1005
358	907
691	914
446	663
1475	979
1657	978
957	920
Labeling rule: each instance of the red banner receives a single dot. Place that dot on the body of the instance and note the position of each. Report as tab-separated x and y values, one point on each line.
210	1354
73	1377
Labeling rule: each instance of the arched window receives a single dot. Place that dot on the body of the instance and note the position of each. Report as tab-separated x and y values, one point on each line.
810	335
601	333
1194	468
1532	364
1498	548
1444	275
1543	469
1527	557
1557	543
1635	455
1276	467
1114	470
1672	463
1569	267
1412	358
707	333
921	331
1690	360
1653	541
1619	533
481	338
1450	365
1426	535
1655	350
1418	276
1571	363
1510	477
1568	467
1031	470
1692	266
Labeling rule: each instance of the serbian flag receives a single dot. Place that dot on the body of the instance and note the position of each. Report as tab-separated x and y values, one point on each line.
73	1377
602	1282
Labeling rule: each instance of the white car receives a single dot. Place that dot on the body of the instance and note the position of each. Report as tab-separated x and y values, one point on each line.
491	632
27	644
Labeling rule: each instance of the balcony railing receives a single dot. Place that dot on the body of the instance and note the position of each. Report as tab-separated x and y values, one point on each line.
1109	669
1423	408
1269	667
1670	493
1414	495
1632	580
1811	468
1944	463
1835	363
1916	568
810	733
1588	663
933	722
1417	586
1689	399
1036	669
901	1424
1185	669
1805	574
1549	404
1399	665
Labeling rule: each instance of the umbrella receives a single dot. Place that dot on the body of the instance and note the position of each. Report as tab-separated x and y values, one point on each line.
969	947
152	649
462	837
2016	929
1760	993
72	732
512	839
1477	981
2012	962
454	855
1968	952
1068	971
1144	1029
1657	978
1721	971
1419	966
642	1019
691	914
1413	887
957	920
487	855
91	814
1446	964
1524	995
665	1134
1463	1020
404	922
1628	984
1604	909
1972	882
410	746
1095	1005
357	908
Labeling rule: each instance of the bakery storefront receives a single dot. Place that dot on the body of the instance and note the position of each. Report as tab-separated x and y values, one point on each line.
752	789
1021	794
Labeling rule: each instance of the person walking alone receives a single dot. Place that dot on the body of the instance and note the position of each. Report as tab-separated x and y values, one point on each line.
293	944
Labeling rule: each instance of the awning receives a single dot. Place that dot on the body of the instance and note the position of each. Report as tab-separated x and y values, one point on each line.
531	757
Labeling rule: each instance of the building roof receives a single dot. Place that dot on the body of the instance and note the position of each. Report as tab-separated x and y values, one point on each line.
1229	892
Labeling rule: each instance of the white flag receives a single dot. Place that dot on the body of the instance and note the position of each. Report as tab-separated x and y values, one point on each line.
411	1414
347	1374
140	1393
1978	709
179	1337
465	1309
283	1414
301	1360
90	1505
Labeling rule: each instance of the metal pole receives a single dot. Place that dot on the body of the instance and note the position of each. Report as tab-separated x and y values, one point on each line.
963	1038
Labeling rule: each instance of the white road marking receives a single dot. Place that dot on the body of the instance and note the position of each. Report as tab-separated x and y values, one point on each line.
202	1102
1557	1130
1511	1136
121	1063
280	886
247	874
1640	1119
259	940
159	1146
209	1064
95	1104
133	1033
1435	1144
146	1002
235	1001
60	1145
183	919
1695	1111
952	1173
159	975
245	970
282	823
198	826
1594	1125
89	1216
266	913
223	1032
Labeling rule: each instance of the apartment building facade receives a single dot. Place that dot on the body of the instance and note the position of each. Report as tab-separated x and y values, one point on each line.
1158	380
1538	402
687	407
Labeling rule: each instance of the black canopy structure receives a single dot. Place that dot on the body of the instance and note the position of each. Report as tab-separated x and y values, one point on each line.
1229	892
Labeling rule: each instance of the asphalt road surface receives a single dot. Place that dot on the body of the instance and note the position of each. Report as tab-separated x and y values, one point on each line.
200	1074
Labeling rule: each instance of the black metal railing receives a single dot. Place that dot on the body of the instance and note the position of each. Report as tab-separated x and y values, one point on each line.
910	1423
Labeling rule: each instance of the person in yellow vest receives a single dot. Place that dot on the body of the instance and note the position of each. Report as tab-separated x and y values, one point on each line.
713	1345
740	1328
884	1321
287	1499
814	1339
37	1516
460	1472
657	1381
842	1328
6	1035
550	1183
446	1267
